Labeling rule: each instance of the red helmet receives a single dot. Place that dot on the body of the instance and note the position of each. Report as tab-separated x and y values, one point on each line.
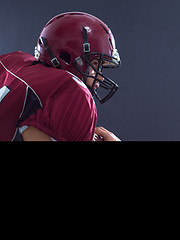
70	41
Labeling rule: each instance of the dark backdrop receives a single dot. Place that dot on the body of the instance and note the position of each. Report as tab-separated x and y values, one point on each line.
147	32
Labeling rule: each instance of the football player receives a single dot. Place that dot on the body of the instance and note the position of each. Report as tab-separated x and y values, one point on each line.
50	96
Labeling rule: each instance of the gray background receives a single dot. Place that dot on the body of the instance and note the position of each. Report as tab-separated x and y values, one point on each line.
147	32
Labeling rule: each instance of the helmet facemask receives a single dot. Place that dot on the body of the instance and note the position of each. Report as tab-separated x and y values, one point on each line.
107	87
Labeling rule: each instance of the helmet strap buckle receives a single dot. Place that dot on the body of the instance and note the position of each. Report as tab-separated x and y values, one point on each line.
86	47
86	44
55	62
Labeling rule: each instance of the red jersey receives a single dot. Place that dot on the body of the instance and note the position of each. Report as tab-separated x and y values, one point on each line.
52	100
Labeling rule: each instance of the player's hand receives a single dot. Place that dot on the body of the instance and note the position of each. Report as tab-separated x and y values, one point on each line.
105	134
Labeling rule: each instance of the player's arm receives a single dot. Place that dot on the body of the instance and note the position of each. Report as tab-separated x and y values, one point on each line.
33	134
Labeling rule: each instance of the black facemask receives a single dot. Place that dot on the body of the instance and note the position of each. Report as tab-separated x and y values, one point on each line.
107	87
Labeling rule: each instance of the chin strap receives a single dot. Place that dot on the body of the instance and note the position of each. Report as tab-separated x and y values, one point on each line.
54	60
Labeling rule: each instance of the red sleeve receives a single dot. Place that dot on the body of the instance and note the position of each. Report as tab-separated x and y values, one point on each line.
67	116
76	120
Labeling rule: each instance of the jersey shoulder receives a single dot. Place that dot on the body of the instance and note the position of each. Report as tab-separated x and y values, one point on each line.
16	57
69	112
77	83
45	80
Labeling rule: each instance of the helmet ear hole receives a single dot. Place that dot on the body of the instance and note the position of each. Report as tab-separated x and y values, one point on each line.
65	56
